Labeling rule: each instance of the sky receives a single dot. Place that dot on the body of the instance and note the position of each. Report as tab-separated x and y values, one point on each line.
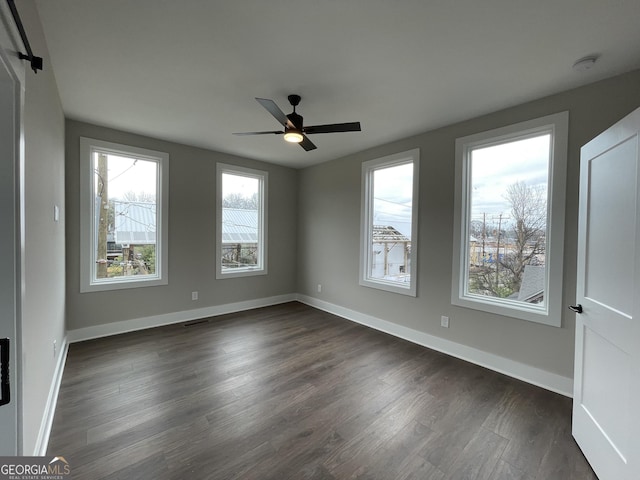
493	170
130	175
244	185
392	197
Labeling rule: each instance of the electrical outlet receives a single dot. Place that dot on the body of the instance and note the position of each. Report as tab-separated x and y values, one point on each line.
444	321
194	295
319	288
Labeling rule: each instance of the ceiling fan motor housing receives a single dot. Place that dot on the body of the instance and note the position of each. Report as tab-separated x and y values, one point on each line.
294	100
296	120
293	117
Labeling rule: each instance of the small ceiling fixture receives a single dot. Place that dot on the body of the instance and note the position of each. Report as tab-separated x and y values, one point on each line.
293	136
585	63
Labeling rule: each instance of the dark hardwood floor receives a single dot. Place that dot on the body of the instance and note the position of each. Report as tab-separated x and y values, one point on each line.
290	392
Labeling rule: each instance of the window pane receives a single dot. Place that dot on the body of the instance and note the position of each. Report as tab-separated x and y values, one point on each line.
125	216
241	238
390	235
508	220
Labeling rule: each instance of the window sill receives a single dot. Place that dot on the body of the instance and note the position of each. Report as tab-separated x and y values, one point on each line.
508	308
409	289
87	287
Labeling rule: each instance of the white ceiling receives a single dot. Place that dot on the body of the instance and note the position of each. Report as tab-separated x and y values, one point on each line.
188	70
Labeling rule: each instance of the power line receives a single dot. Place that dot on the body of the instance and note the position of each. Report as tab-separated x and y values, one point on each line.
124	171
406	205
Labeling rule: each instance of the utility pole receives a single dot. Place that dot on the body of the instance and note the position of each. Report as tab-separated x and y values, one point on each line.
386	258
497	260
103	216
484	235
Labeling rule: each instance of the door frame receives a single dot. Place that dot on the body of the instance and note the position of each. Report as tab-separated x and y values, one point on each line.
10	46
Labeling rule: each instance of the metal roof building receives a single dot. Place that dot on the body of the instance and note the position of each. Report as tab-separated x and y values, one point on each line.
239	225
134	223
383	234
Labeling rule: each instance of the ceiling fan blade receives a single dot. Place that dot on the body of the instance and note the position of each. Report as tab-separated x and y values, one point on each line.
275	132
334	127
307	144
274	110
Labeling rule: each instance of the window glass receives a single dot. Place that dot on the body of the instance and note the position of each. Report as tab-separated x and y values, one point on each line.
124	218
389	218
241	213
508	220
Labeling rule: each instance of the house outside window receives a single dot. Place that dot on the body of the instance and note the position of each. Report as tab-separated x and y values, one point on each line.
241	244
124	216
509	220
389	223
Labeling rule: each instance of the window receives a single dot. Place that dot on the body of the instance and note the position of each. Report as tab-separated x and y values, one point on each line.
509	220
124	216
241	245
389	223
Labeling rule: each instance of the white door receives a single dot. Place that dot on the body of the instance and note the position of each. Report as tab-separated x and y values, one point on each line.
606	403
11	76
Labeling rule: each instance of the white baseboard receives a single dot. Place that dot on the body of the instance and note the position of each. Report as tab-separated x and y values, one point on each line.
541	378
42	442
105	330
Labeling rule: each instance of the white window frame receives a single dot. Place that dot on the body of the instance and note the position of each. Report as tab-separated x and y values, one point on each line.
88	282
549	313
263	178
366	222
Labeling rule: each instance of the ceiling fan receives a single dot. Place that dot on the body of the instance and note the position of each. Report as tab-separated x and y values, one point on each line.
294	130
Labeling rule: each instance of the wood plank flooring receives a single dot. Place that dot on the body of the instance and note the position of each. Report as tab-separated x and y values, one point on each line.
291	392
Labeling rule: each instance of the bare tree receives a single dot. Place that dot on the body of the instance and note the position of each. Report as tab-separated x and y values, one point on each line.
529	224
476	228
143	197
237	200
522	241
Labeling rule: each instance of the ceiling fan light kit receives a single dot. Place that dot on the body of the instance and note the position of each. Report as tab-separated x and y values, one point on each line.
293	136
294	130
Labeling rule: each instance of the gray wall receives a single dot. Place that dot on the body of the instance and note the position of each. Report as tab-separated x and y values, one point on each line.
192	194
329	230
43	316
